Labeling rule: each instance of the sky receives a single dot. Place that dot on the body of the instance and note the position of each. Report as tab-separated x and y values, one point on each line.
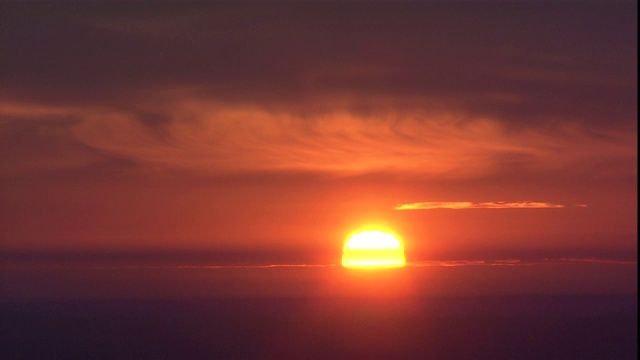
472	130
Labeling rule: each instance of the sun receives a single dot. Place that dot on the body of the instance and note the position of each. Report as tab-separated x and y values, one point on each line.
373	249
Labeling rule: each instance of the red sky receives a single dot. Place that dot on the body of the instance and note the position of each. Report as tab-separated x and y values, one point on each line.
283	127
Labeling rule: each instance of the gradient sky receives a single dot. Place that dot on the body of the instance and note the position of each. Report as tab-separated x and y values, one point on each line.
473	130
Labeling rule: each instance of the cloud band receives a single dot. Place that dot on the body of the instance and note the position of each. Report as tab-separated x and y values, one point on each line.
457	205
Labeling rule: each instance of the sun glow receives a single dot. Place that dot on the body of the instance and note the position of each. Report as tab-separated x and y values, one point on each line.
373	249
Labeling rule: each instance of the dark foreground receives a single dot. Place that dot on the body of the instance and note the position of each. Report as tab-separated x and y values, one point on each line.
516	327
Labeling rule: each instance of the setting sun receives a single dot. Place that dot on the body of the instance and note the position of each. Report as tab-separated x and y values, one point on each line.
373	249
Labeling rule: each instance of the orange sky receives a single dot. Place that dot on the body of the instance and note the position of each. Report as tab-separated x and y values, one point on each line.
281	128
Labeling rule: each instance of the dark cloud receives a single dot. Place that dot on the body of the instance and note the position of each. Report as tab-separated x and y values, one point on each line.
462	89
516	61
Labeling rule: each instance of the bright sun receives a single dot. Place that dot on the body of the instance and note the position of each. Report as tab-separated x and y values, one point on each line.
373	249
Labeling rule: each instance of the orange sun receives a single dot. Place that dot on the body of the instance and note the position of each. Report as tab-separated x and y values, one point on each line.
373	249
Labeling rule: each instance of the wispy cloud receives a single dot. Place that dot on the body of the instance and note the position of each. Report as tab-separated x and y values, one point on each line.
213	137
412	264
456	205
592	261
370	102
518	262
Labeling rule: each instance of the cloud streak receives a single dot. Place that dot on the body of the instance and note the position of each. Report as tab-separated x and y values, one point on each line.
412	264
210	137
460	205
518	262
